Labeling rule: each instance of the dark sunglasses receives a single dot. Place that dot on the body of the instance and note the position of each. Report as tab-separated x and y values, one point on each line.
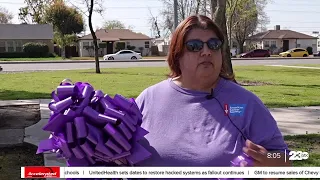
196	45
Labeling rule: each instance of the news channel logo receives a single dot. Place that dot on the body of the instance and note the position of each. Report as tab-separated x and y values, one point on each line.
292	155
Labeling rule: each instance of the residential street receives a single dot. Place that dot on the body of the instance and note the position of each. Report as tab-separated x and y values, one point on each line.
40	66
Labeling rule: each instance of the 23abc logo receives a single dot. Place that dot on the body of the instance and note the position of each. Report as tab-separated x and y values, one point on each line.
298	155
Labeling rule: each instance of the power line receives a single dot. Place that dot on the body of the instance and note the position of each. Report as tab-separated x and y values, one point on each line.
10	3
282	11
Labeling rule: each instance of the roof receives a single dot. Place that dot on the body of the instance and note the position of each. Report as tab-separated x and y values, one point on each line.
280	34
26	31
116	35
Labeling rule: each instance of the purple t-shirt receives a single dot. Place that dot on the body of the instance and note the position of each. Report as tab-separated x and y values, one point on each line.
187	129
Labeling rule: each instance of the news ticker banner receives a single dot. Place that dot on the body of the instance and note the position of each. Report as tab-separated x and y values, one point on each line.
169	172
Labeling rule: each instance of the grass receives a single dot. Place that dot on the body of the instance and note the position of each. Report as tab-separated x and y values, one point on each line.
287	86
307	143
13	158
308	65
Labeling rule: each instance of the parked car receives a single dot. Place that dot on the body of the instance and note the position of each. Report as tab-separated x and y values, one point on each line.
256	53
123	55
295	52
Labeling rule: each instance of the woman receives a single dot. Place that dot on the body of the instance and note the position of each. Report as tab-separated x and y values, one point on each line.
199	116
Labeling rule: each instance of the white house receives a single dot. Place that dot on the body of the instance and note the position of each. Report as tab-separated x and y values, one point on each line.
113	40
282	40
163	45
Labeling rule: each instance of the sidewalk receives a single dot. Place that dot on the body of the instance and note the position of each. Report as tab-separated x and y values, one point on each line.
291	121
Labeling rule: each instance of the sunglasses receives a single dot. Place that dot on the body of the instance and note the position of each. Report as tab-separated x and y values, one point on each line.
196	45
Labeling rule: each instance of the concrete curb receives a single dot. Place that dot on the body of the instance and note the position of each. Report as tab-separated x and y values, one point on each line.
18	102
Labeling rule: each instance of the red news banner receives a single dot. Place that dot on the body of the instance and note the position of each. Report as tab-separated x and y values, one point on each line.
40	172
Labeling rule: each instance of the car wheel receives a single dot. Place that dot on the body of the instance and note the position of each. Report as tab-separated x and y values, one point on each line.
305	55
266	55
289	55
133	57
110	58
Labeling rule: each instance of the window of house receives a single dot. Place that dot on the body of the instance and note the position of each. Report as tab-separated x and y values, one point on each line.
266	44
234	44
274	43
318	43
85	44
146	44
128	43
298	45
10	45
2	46
19	46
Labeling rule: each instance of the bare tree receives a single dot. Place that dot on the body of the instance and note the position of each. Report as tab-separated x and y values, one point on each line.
218	8
91	7
5	16
154	25
95	43
185	9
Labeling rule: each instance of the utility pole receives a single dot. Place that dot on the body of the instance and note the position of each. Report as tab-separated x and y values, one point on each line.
175	7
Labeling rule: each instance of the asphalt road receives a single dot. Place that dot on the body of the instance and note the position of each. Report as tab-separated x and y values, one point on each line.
7	67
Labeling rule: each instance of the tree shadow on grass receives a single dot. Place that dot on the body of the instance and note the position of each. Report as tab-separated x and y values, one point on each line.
12	158
129	73
22	95
300	85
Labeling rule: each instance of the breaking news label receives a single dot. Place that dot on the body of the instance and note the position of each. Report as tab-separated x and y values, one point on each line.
169	172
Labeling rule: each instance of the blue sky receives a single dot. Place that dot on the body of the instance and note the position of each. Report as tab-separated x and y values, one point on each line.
298	15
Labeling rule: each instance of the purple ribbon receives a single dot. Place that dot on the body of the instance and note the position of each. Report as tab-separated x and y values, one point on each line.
89	128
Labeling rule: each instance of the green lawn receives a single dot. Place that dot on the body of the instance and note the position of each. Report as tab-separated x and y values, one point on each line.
308	65
288	86
306	143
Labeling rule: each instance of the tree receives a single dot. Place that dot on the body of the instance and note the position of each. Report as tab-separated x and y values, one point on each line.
243	18
231	9
244	21
95	43
92	6
185	9
218	8
34	11
114	24
67	22
5	16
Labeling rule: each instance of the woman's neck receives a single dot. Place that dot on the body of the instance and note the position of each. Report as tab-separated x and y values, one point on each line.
198	85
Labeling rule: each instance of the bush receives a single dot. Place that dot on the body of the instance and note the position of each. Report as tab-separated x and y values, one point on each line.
36	50
13	55
310	50
131	47
120	46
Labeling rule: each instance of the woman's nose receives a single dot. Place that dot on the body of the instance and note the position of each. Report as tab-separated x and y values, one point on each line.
206	51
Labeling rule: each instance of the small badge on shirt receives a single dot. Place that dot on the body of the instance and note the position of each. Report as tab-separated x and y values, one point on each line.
234	109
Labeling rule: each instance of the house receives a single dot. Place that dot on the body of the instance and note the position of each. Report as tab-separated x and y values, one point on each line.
14	36
278	40
162	45
111	41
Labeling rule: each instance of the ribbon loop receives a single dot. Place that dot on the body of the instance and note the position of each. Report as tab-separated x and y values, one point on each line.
90	128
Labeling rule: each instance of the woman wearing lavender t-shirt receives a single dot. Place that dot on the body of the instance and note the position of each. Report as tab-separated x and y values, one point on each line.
199	116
